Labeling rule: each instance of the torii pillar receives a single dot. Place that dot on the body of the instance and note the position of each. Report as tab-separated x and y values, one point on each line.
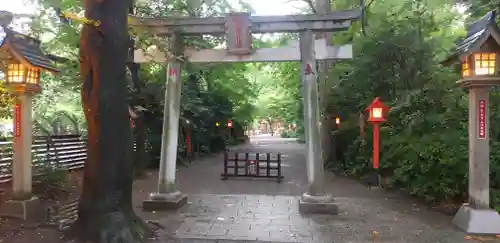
167	196
315	200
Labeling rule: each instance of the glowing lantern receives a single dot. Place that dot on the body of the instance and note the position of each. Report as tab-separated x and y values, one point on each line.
480	64
22	62
377	111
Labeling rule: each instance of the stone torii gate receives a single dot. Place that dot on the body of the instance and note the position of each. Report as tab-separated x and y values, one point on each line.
238	29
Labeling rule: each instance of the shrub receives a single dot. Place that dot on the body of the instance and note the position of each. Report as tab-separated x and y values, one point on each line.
50	180
289	134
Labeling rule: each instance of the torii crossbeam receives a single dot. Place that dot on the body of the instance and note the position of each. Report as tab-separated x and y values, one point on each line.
334	21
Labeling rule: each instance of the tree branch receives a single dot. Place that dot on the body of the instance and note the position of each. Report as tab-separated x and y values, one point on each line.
309	3
364	18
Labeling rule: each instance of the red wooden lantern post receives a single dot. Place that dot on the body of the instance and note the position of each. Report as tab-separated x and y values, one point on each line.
229	128
376	111
132	117
188	139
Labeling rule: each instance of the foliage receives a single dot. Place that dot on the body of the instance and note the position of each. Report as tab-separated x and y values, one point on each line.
6	103
424	143
211	93
50	180
279	94
289	134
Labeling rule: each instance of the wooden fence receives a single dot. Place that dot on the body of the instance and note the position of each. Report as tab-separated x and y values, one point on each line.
254	165
66	151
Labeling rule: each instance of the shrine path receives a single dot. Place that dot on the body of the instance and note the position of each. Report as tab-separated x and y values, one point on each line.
242	210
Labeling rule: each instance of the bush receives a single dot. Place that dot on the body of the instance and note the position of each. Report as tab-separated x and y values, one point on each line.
289	134
50	180
218	143
242	139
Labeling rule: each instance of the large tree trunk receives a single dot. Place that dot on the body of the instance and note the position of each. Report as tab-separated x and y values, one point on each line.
105	211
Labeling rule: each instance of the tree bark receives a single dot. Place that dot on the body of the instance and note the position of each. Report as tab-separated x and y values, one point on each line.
269	121
105	211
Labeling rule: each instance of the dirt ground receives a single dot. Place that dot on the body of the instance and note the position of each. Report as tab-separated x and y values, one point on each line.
16	231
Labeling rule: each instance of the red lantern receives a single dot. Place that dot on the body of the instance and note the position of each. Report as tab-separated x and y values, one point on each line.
377	111
337	122
230	124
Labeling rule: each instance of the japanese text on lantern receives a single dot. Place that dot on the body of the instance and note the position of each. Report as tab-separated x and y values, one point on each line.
481	121
17	120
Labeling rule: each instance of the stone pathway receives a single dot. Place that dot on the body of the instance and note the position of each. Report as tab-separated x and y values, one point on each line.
265	211
276	219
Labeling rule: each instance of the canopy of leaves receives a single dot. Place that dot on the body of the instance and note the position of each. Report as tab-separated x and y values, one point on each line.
211	93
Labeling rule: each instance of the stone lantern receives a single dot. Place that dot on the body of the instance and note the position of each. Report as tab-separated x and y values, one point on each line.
21	61
478	54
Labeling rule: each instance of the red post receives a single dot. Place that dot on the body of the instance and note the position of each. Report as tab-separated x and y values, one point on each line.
188	140
132	125
17	120
481	119
377	110
376	148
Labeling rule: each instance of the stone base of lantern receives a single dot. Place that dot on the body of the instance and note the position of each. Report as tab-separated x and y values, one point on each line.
29	210
477	221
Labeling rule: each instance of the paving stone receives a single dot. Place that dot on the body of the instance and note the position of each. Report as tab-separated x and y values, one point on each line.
217	229
264	211
356	225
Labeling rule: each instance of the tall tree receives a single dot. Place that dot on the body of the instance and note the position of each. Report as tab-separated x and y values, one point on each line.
105	212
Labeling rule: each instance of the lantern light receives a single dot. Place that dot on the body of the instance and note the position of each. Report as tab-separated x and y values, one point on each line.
376	111
465	68
484	63
479	64
217	124
230	124
22	62
20	76
337	120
